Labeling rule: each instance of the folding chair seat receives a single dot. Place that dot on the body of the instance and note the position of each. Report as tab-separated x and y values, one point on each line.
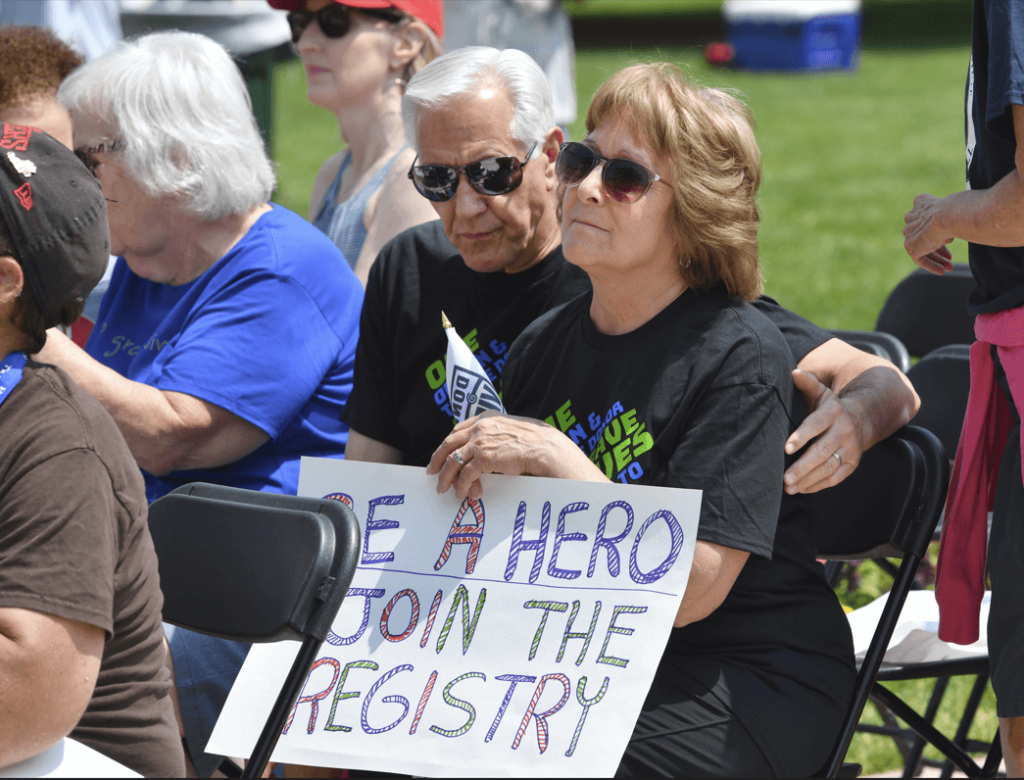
926	311
889	508
255	567
883	345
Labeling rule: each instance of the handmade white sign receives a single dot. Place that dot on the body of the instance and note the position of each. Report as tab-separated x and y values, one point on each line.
517	635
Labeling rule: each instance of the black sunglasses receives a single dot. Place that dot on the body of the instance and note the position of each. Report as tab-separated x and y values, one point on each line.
490	176
624	180
335	20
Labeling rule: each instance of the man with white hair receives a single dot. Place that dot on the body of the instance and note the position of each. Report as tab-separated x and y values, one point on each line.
482	124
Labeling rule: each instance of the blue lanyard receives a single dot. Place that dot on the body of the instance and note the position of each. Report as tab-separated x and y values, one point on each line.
10	373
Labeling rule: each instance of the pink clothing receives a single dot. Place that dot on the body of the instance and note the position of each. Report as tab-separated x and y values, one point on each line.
960	580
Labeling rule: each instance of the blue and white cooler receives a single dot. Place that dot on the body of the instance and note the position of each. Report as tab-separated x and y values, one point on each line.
805	35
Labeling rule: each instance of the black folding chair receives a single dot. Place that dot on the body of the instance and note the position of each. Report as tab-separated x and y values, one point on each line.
926	311
255	567
943	381
888	507
883	345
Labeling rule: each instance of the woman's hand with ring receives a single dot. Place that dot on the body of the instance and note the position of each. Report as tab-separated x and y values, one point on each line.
493	443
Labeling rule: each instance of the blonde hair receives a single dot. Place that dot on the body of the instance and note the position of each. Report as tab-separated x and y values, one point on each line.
707	135
432	48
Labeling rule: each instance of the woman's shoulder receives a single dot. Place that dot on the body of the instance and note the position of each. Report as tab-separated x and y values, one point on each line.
739	336
324	178
282	246
560	319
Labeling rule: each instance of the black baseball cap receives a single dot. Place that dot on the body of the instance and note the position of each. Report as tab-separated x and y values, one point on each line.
54	211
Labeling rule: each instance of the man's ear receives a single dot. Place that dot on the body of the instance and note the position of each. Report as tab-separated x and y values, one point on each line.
552	142
12	279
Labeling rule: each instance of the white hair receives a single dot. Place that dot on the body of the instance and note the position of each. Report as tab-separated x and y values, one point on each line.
183	111
455	74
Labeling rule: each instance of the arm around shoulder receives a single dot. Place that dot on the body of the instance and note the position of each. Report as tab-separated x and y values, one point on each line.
854	401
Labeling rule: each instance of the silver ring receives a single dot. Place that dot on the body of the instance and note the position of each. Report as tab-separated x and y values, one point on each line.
838	457
457	457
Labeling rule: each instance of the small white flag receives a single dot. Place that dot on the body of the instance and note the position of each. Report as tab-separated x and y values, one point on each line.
469	390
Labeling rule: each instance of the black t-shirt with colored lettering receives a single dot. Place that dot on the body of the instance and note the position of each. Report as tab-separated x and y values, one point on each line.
995	83
399	396
701	397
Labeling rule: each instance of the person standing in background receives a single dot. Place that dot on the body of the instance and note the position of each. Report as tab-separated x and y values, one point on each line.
541	28
989	214
358	56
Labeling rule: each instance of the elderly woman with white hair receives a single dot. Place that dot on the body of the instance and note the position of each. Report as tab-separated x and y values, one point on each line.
693	386
224	346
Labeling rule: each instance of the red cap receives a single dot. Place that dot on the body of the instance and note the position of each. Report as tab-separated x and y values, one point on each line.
430	12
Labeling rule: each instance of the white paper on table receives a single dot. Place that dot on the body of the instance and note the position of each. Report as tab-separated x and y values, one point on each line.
470	391
488	671
915	638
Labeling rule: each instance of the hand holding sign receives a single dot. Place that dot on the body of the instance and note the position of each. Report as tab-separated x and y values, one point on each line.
516	637
504	444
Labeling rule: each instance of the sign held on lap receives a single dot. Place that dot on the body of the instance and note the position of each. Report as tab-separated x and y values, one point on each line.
516	635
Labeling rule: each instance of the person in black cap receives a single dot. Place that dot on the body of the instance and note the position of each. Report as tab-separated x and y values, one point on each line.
81	644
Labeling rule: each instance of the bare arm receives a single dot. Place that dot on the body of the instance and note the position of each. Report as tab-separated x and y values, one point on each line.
715	569
165	431
994	217
395	207
855	400
48	669
363	448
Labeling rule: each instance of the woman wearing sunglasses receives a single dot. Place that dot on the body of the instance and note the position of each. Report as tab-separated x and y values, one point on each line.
666	375
358	56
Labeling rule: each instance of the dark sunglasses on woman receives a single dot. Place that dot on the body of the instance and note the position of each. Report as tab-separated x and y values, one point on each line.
335	20
624	180
490	176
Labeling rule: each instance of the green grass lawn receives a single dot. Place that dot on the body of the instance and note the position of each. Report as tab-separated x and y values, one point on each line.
843	156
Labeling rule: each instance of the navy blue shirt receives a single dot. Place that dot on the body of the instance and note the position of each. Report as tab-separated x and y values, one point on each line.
995	83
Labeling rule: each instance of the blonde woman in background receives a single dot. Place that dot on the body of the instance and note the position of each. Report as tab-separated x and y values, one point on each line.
358	56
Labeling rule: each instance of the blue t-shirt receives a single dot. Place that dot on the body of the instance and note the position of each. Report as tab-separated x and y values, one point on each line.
268	333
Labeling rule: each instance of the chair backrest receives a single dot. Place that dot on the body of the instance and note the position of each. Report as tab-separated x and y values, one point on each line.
884	345
252	566
882	509
888	507
943	381
257	567
926	311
